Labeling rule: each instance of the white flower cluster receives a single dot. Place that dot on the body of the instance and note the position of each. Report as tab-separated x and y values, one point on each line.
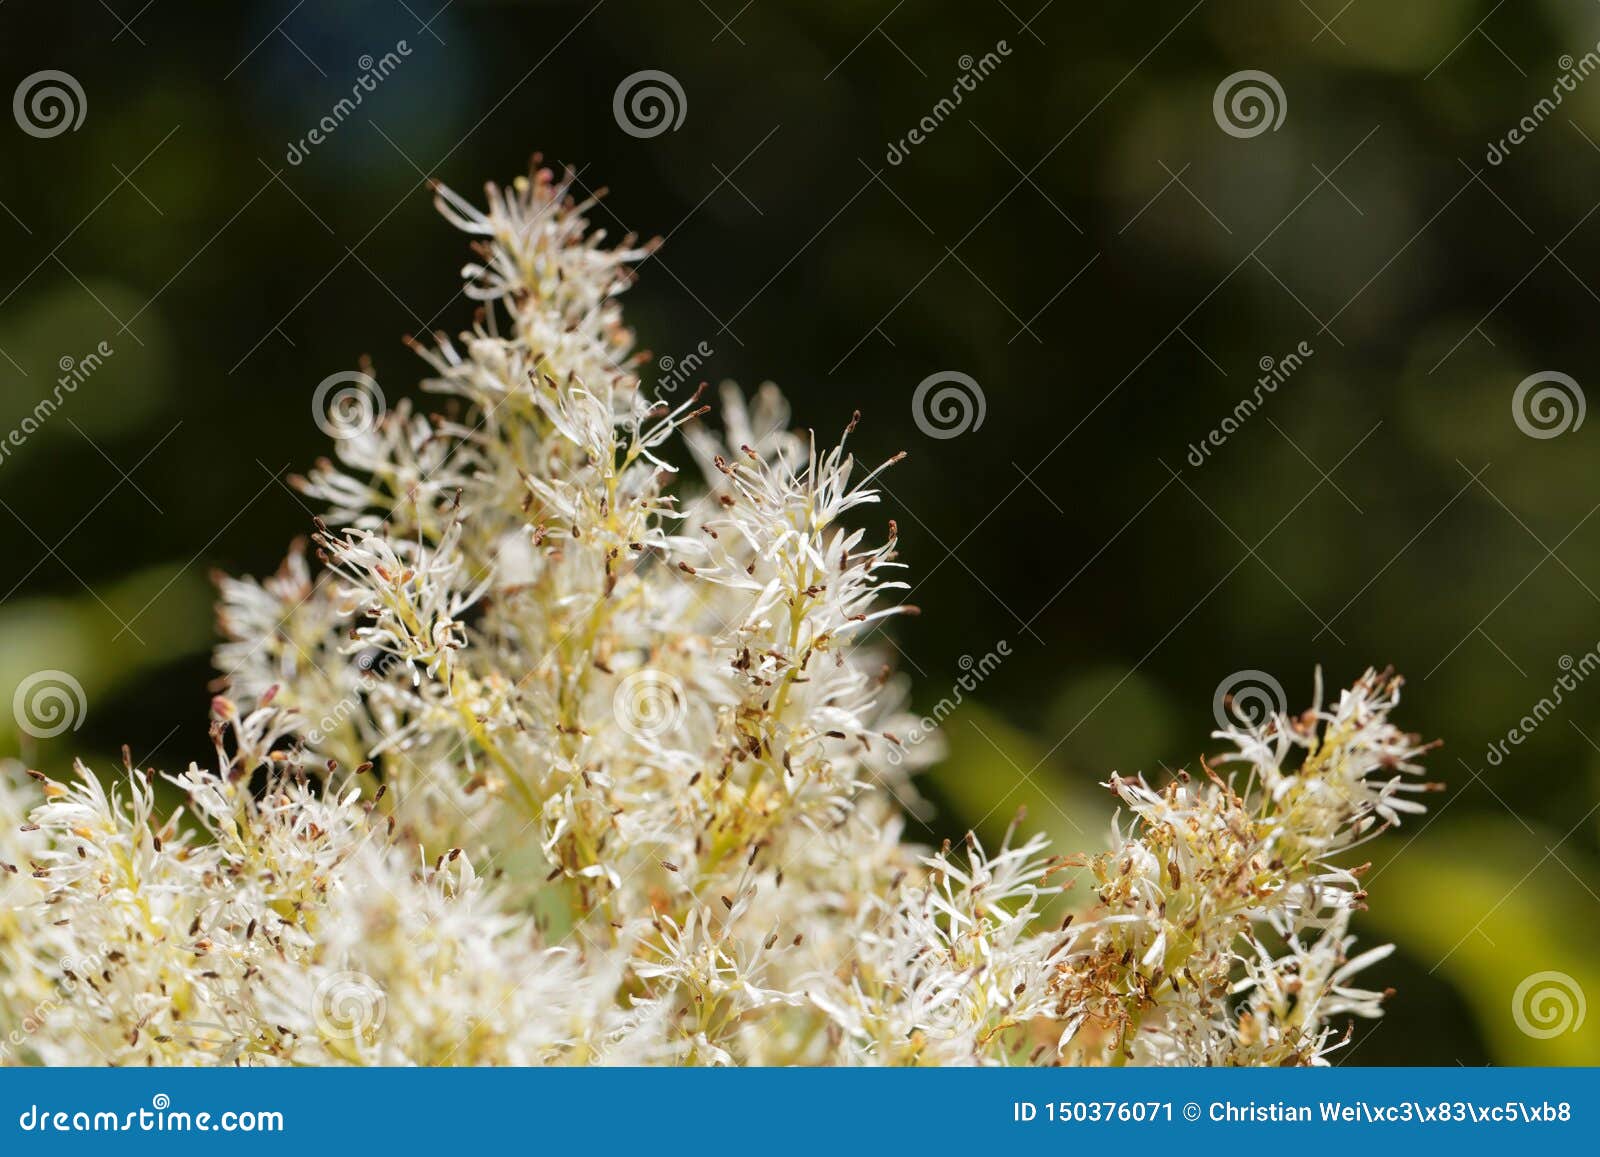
551	763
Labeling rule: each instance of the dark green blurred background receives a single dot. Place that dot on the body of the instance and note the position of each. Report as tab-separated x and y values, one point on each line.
1080	236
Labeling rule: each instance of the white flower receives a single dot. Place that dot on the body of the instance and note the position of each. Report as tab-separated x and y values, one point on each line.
443	827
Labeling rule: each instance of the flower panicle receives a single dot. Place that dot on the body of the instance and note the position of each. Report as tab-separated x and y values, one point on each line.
565	755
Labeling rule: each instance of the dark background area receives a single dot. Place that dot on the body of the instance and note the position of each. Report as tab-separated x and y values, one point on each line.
1079	236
